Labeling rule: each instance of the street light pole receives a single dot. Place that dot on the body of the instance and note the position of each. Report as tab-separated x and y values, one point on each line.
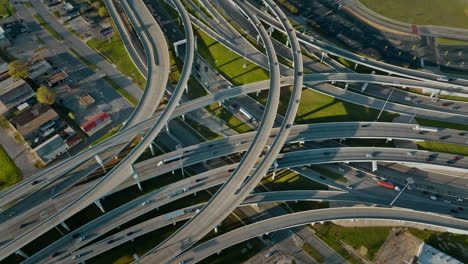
179	147
408	181
383	107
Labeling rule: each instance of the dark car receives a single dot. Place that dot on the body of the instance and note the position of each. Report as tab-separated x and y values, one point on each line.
35	182
54	255
76	235
130	233
323	178
453	211
110	241
460	208
462	133
365	125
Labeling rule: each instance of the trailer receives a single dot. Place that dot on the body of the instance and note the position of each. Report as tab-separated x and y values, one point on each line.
174	215
388	185
164	161
178	192
247	114
425	128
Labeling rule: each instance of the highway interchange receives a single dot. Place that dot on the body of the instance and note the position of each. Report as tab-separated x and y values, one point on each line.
236	180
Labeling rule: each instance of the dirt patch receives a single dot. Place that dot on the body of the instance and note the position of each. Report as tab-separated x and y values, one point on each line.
400	246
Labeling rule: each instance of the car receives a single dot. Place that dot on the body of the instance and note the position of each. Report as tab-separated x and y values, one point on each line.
341	169
349	187
369	155
288	126
433	198
326	153
269	254
34	182
81	238
407	98
21	226
145	203
429	159
458	199
375	178
455	158
12	214
445	104
462	133
447	202
181	262
410	153
216	88
322	177
76	256
76	235
54	255
460	208
110	241
453	211
365	125
130	233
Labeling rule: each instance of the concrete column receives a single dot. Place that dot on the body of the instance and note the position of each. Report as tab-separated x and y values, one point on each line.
258	38
152	149
65	226
333	82
21	253
388	140
195	194
135	256
98	204
355	66
374	165
196	44
183	117
258	92
287	43
176	51
216	229
346	86
186	89
364	87
422	62
167	128
99	160
433	93
321	58
137	180
220	104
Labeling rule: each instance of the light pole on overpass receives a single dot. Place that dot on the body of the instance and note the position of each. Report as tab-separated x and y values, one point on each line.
179	147
408	181
383	107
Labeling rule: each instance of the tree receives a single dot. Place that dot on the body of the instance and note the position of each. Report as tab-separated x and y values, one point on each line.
18	69
45	95
103	12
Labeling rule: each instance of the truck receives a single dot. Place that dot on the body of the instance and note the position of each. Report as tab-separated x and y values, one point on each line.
164	161
247	114
425	128
178	192
174	215
388	185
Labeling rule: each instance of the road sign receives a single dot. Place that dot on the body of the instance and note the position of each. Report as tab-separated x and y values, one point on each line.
107	31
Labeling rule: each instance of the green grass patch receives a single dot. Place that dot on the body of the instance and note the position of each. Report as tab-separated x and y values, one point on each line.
372	238
228	63
286	180
27	4
435	123
9	174
74	33
203	130
114	50
441	147
109	134
328	173
47	28
83	59
231	121
120	90
455	98
447	41
423	12
452	244
312	252
5	9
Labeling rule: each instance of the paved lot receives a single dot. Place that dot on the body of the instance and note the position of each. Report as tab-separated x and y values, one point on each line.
399	247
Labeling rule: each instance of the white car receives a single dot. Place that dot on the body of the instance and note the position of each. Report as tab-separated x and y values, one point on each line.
458	199
433	198
81	238
349	187
145	203
369	155
76	256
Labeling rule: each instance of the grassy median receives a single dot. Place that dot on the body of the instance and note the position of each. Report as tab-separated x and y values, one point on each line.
9	174
47	28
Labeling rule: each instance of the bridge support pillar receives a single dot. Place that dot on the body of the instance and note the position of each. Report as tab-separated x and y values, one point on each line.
135	256
151	147
346	86
323	54
364	87
186	89
433	94
65	226
258	38
374	165
355	66
216	229
258	92
167	128
99	160
196	44
422	62
183	117
137	180
342	139
21	253
388	140
98	204
287	43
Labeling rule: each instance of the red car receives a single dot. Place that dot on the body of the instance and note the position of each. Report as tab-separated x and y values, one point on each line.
455	158
216	88
54	255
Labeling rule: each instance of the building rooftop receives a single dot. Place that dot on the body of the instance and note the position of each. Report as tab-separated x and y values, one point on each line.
38	66
430	255
51	149
56	77
14	97
32	119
